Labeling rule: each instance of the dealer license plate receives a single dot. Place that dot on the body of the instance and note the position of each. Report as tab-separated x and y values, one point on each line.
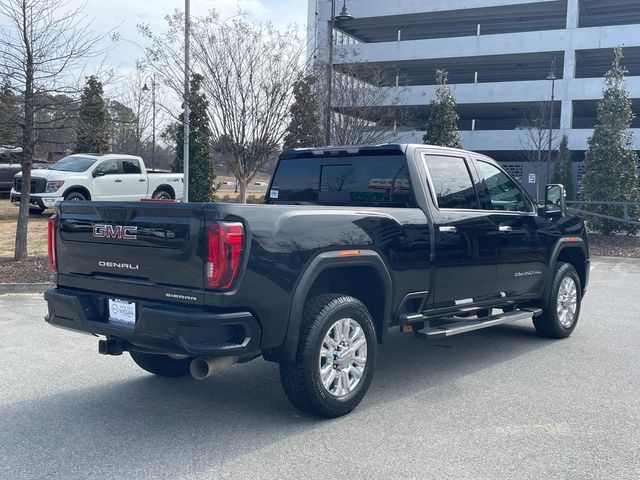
122	311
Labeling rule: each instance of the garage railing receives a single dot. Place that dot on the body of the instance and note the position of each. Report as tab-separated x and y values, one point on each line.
578	208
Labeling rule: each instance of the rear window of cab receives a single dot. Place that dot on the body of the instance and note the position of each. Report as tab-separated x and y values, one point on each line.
373	180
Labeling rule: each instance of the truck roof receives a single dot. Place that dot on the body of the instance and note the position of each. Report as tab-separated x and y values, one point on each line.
384	149
104	155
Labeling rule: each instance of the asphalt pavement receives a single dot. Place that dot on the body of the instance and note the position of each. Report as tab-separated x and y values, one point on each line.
501	403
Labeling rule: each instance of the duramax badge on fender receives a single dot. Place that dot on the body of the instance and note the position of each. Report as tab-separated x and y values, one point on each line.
351	243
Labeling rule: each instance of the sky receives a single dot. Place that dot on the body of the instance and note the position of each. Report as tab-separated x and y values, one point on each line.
125	15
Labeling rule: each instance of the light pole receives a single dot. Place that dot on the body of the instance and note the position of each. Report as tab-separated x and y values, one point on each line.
344	15
185	120
552	77
153	121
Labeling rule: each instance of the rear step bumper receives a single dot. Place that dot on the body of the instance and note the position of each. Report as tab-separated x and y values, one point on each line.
447	328
159	327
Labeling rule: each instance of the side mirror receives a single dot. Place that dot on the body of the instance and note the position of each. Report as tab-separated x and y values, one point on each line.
98	173
554	206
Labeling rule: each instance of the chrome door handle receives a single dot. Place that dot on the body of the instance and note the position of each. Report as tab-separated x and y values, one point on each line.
142	180
118	181
505	228
448	229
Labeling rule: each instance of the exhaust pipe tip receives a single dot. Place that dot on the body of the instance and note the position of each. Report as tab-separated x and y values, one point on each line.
202	368
199	368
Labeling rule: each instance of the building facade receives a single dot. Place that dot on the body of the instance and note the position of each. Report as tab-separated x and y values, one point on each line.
498	54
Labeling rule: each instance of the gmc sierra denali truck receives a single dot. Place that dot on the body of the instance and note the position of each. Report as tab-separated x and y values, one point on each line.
350	243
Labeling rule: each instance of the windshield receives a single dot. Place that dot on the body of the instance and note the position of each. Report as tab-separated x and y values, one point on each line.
73	164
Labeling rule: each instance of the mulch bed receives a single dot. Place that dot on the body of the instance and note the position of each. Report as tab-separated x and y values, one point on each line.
32	270
627	246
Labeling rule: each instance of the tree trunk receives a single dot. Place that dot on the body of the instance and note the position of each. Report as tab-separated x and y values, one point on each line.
20	252
242	186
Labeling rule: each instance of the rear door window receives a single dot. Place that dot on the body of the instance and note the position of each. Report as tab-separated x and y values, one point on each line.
131	166
451	182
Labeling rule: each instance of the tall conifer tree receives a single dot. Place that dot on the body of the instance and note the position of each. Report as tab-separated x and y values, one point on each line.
442	127
304	128
611	164
563	170
93	125
201	172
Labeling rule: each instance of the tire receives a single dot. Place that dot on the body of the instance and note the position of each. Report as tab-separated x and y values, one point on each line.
302	380
162	365
162	195
75	197
560	317
36	210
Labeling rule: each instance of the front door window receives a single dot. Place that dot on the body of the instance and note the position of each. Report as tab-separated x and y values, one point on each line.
502	193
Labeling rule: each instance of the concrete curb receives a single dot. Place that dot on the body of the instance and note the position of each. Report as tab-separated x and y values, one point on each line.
602	259
8	288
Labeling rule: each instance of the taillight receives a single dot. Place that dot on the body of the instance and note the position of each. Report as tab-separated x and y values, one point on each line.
224	252
51	242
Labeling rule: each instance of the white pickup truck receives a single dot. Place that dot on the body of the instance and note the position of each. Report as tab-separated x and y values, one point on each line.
111	177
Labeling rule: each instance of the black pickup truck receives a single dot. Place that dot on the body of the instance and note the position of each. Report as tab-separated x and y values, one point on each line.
350	243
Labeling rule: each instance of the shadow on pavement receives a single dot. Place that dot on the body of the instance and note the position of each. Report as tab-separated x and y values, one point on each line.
155	427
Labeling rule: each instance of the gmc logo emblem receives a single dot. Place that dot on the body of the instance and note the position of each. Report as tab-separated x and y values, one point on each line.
115	231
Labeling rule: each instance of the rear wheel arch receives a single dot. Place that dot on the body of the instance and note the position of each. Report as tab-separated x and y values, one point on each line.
330	272
165	188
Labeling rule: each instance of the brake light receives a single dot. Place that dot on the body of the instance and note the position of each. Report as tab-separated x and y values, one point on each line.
224	252
51	242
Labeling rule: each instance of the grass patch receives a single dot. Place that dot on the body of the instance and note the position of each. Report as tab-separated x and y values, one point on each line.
37	236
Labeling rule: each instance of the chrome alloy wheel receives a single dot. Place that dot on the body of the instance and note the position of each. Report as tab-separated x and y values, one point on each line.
567	302
343	357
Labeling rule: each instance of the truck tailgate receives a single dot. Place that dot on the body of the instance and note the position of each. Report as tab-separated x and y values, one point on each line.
147	250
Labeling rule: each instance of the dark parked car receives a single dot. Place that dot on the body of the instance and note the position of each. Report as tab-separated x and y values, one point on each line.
351	242
10	166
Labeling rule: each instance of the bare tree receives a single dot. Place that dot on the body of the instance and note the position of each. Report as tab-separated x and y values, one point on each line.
534	139
130	110
248	71
41	42
364	110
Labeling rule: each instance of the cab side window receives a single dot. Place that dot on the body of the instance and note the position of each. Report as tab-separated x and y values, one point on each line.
131	166
451	182
108	167
500	191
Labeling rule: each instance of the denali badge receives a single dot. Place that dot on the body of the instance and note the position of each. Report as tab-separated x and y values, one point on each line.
115	231
126	266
